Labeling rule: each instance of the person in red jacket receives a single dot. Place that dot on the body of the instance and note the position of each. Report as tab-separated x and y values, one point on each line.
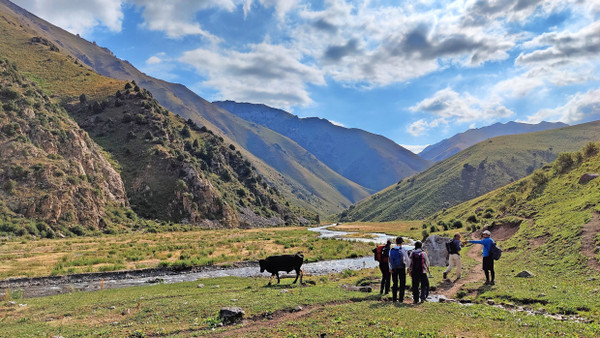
382	254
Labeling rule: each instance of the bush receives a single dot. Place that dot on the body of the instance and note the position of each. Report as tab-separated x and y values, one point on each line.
590	149
539	178
425	234
10	186
11	129
563	163
472	219
433	229
457	224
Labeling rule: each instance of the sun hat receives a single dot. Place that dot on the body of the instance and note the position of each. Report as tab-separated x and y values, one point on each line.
487	232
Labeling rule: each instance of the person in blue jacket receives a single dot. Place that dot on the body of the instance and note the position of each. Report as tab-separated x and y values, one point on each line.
488	260
398	263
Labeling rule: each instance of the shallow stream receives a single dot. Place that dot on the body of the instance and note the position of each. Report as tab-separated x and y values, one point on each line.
47	286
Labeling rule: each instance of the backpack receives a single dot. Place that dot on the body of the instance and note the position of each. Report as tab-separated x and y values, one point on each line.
396	258
417	262
450	247
496	252
379	252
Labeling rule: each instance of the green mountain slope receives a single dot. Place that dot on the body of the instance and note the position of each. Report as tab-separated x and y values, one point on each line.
51	170
450	146
554	218
299	175
174	170
227	192
473	172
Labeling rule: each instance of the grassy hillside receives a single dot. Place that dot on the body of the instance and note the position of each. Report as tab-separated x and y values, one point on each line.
473	172
163	180
174	170
450	146
53	178
557	232
299	175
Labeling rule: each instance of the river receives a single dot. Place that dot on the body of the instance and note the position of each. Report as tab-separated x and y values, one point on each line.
47	286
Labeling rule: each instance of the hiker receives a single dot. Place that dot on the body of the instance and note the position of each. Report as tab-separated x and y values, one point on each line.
488	261
382	253
398	263
418	270
454	256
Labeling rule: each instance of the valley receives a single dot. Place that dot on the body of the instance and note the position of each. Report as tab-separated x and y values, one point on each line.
132	207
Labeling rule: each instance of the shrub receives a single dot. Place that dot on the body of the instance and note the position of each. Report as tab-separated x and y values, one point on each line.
457	224
539	178
425	234
563	163
185	132
11	129
433	229
10	186
82	99
472	219
590	149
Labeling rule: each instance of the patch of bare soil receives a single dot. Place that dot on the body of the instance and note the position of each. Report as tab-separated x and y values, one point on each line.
253	324
590	230
535	243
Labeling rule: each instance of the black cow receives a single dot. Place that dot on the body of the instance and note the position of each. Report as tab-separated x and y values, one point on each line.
287	263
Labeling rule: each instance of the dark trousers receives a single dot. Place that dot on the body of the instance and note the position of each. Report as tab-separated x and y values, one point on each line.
422	280
385	278
398	275
488	268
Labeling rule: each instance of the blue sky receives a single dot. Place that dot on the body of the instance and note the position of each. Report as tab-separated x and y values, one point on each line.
414	71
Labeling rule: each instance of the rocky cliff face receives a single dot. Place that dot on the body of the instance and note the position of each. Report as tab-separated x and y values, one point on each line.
176	171
51	170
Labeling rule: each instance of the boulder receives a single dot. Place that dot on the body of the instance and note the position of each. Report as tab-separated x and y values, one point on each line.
436	249
524	274
585	178
231	315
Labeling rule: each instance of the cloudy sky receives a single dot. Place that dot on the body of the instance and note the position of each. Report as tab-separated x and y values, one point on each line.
414	71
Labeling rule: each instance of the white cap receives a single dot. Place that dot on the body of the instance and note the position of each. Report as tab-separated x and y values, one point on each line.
487	232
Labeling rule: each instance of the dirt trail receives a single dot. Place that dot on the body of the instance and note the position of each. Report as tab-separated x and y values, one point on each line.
449	289
590	230
501	233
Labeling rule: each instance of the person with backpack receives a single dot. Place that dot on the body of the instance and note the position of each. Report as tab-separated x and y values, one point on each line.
488	260
398	263
382	256
454	260
418	270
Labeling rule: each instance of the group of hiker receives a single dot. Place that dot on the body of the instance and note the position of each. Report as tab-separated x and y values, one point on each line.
395	262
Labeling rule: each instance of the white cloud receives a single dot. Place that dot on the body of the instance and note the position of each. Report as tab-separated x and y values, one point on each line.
415	148
177	18
581	107
451	105
419	127
153	60
377	46
270	74
77	17
564	46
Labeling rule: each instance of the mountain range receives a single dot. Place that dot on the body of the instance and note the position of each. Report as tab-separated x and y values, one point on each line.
297	172
450	146
471	173
372	161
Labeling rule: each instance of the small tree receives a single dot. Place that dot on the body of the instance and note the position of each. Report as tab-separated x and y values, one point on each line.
590	149
82	99
563	163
